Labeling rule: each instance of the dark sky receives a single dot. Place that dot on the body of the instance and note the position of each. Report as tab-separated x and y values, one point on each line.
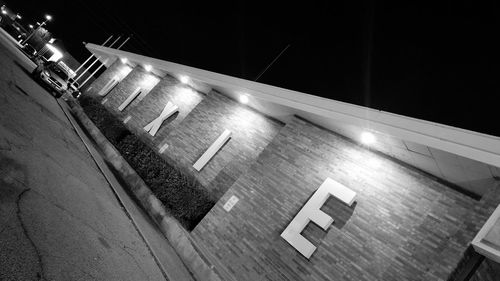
432	61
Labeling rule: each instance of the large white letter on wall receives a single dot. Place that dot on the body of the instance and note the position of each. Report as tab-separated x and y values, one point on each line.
153	127
130	99
311	212
218	143
107	88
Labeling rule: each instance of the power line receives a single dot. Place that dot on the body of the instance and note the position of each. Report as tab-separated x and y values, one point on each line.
94	16
124	26
269	65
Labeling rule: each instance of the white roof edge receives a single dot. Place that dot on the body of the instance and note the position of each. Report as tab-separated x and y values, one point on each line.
478	146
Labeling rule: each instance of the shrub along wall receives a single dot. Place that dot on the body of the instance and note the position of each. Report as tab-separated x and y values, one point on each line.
180	193
200	120
188	134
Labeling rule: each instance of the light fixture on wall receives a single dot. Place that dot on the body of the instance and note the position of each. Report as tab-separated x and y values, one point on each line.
367	138
148	67
184	79
124	60
150	81
244	99
125	71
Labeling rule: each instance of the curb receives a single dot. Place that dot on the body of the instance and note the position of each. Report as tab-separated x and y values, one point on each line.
165	256
171	229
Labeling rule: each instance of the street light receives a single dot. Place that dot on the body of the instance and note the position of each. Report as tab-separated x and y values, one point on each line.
47	18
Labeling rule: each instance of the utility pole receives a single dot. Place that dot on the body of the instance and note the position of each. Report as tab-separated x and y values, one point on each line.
47	18
91	56
92	64
91	75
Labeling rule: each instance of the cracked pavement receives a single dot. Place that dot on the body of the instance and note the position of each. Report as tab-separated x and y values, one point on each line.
59	219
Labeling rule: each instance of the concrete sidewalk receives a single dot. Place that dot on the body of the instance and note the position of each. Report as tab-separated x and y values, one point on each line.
59	219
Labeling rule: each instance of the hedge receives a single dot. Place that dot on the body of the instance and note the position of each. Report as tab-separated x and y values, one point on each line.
181	194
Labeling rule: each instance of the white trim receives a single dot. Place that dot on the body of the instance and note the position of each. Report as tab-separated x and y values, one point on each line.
477	242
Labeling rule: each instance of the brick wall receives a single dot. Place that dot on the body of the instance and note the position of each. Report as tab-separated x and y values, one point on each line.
251	132
188	134
404	226
113	70
168	89
465	173
138	77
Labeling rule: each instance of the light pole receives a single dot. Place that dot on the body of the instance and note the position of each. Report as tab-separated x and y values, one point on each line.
47	18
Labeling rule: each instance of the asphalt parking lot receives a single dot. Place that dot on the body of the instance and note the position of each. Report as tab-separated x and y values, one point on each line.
59	220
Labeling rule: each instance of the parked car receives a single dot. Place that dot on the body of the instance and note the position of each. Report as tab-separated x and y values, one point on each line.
29	51
56	78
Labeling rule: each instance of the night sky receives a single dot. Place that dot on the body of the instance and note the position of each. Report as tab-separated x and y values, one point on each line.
437	62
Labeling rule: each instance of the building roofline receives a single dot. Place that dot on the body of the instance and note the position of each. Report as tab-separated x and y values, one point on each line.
478	146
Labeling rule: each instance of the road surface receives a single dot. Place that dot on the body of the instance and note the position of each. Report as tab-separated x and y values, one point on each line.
59	219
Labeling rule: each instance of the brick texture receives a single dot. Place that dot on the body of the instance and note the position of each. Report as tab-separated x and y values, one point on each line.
138	77
116	69
188	134
404	225
168	89
251	132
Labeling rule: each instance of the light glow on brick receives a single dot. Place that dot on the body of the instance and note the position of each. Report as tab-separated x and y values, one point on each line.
125	71
244	99
367	138
374	163
124	60
184	79
148	68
